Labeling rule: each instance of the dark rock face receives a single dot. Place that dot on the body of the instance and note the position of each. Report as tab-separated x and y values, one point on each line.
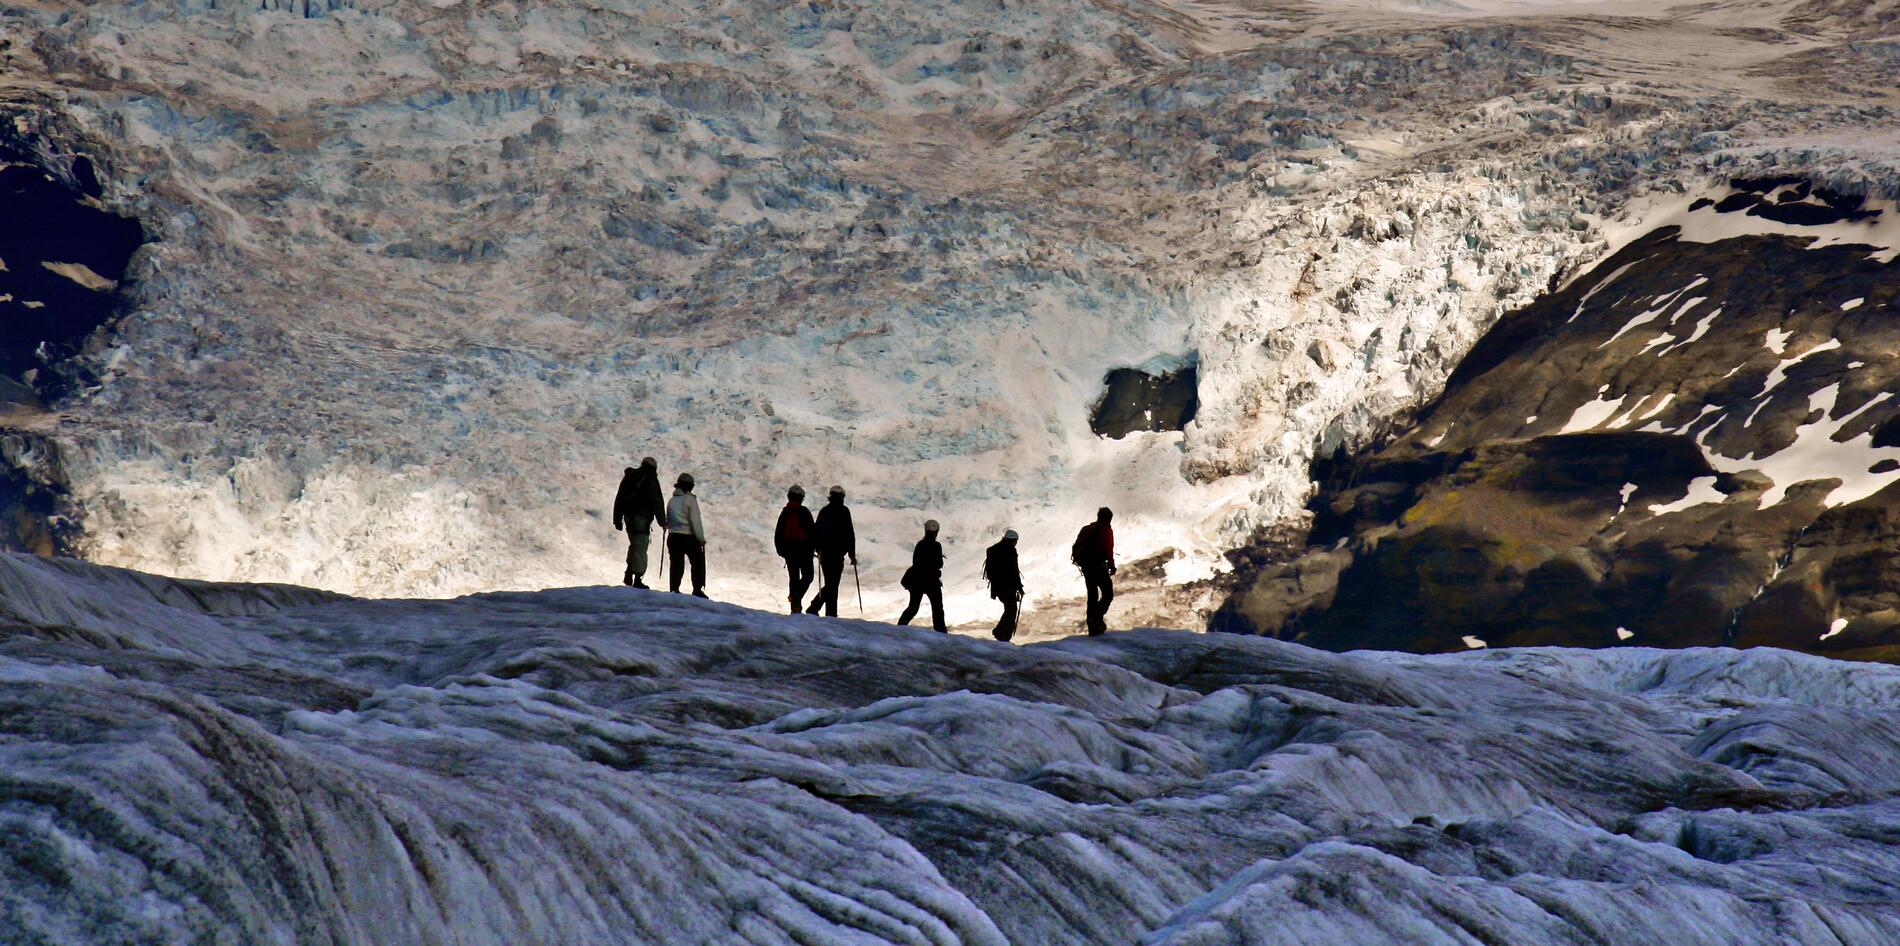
63	258
1694	444
1137	400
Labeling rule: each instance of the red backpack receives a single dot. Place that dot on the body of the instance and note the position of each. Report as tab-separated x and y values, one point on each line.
794	529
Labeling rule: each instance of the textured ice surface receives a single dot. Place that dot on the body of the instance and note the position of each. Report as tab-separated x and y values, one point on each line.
186	763
429	274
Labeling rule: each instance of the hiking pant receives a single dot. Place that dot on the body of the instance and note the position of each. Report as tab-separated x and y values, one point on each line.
1006	628
832	567
798	567
683	547
917	596
1101	591
637	542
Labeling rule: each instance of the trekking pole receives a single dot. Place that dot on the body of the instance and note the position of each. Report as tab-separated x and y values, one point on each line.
662	557
855	581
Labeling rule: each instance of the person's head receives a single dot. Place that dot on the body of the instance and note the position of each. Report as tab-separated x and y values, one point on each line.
1009	535
930	527
648	463
796	494
684	483
1104	514
629	471
837	494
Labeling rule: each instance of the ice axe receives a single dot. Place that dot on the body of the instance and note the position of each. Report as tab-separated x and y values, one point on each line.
860	586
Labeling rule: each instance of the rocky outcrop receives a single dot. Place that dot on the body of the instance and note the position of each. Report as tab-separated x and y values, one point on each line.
1689	445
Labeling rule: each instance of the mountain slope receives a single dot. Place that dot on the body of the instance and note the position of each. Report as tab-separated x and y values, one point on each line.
422	277
1693	444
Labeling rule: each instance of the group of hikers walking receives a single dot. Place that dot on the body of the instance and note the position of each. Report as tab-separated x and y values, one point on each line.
828	537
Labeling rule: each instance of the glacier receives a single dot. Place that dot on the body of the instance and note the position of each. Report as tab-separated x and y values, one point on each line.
194	762
423	276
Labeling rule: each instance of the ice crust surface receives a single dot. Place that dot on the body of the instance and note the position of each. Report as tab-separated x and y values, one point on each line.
186	762
427	275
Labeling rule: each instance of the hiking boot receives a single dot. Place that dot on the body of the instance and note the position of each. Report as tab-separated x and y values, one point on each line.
627	579
637	583
699	593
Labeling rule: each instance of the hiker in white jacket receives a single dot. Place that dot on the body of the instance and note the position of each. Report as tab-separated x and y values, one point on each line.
686	535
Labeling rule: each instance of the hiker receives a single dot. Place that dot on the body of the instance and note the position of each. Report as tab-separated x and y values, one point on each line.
794	540
835	542
924	578
1094	553
686	535
635	507
1006	582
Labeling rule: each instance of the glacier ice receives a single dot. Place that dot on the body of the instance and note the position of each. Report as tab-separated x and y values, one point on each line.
192	762
426	275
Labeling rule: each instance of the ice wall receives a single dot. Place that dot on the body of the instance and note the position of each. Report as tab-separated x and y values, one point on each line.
429	275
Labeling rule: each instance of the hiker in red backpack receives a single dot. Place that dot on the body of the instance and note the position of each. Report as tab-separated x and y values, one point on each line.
796	540
1094	554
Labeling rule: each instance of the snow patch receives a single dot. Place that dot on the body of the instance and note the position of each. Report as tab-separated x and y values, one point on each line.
1701	492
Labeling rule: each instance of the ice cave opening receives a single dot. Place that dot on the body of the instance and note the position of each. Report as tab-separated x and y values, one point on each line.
1136	399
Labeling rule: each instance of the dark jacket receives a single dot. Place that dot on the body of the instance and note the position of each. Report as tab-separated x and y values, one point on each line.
639	501
1094	548
926	565
835	536
796	535
999	567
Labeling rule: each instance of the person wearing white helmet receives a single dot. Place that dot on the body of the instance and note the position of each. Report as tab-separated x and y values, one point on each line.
837	541
1006	582
795	539
924	578
686	535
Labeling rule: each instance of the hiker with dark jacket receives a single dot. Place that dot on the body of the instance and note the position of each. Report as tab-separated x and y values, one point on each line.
686	535
1094	553
795	540
836	541
1006	582
924	578
635	507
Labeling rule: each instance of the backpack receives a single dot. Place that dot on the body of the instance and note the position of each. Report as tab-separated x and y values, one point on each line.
992	565
794	529
1086	551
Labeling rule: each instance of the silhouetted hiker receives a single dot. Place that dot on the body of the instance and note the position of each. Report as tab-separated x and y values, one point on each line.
924	578
836	542
685	535
1006	582
635	507
1094	553
795	540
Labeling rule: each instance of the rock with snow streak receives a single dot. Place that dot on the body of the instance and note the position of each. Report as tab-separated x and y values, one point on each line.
223	763
1692	444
